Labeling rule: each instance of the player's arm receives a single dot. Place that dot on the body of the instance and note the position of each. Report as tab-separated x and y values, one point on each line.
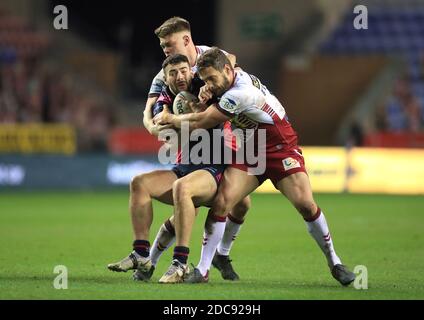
147	116
155	93
148	122
197	107
207	119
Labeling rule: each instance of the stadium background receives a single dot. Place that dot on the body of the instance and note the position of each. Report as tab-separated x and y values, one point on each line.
71	138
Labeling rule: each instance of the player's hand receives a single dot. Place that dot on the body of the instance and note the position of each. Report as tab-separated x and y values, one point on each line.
159	118
155	129
163	118
160	127
205	94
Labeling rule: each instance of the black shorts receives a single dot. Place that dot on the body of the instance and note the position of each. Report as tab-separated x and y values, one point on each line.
216	170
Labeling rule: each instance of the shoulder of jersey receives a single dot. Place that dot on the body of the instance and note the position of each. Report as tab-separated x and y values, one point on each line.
159	78
201	49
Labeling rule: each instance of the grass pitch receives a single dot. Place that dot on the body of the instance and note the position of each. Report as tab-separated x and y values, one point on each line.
274	255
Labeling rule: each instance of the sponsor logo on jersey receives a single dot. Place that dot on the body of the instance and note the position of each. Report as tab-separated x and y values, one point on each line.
228	104
255	81
290	163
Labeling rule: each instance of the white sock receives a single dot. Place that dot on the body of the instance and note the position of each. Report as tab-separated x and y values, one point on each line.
164	239
232	229
318	229
210	242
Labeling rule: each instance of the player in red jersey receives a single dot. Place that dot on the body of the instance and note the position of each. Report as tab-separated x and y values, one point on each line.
248	104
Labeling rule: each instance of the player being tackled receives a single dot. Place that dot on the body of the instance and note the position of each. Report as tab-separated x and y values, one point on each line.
196	181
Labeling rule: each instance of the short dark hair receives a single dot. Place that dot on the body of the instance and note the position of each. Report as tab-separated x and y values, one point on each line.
171	26
215	58
174	59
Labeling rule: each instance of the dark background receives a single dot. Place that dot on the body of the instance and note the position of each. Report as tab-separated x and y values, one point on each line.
100	22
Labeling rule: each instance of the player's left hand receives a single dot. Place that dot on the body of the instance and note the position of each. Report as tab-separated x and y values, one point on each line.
161	127
205	94
164	117
154	128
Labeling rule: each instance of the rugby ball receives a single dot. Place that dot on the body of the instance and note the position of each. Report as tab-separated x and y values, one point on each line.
180	105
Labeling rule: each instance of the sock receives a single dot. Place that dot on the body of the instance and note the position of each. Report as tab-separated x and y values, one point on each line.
232	229
214	230
164	239
318	228
181	254
142	247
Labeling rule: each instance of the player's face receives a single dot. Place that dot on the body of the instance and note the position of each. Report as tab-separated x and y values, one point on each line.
174	44
218	82
178	77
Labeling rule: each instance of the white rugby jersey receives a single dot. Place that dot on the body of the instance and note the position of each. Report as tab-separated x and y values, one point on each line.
159	81
249	103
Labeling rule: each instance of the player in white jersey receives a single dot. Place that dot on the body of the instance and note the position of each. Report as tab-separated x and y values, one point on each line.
248	104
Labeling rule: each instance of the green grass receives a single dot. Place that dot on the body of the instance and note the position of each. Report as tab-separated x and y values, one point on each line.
274	255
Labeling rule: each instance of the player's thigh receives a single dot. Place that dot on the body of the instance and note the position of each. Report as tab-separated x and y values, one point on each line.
158	184
200	185
235	185
297	188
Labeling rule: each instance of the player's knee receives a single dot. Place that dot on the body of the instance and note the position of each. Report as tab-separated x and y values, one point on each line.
306	208
220	205
180	189
138	184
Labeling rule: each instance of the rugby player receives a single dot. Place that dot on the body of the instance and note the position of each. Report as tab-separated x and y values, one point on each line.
248	104
198	180
175	37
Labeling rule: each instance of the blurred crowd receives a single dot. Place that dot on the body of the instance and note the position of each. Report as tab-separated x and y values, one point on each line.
395	28
403	111
35	90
